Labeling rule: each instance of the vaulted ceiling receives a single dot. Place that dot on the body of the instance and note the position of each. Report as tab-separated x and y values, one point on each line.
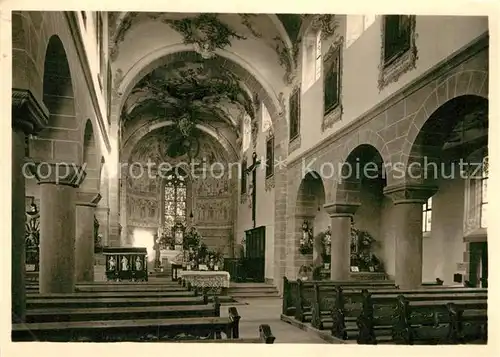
198	88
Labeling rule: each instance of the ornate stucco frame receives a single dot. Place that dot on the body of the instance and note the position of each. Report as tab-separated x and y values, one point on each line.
334	114
295	141
269	182
404	63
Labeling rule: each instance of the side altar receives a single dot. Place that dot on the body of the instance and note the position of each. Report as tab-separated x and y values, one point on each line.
126	263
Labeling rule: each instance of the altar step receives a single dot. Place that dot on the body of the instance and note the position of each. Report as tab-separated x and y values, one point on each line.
252	290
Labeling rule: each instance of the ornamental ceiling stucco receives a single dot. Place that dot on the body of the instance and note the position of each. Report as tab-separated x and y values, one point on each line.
259	39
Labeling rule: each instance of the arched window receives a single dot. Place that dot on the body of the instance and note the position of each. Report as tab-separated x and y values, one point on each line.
175	198
427	216
311	60
484	193
476	195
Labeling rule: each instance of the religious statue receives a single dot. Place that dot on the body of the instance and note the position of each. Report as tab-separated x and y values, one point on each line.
138	264
156	247
124	263
112	263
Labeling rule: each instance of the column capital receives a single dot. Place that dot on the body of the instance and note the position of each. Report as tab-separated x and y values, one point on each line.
90	199
341	209
28	114
61	173
409	193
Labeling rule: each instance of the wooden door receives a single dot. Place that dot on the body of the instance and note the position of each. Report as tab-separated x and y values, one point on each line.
255	260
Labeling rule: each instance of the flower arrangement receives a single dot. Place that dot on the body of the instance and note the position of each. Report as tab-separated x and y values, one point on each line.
306	241
361	251
191	238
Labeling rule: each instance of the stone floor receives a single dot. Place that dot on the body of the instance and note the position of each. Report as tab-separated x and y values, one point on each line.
267	311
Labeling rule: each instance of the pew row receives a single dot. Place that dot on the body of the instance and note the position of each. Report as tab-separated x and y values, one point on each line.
112	294
429	322
119	288
122	313
265	336
300	294
371	317
131	330
35	303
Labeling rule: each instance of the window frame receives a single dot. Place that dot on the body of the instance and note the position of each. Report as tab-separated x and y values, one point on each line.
483	202
426	211
176	184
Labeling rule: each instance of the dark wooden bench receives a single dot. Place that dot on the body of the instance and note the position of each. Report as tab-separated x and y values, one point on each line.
147	330
441	322
122	313
324	301
306	293
35	303
112	294
265	336
379	315
292	290
118	288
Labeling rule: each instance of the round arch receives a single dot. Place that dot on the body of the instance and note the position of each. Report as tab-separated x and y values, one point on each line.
364	161
135	137
422	151
229	60
58	97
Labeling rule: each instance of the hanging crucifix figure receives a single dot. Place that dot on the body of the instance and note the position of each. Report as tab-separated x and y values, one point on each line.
252	169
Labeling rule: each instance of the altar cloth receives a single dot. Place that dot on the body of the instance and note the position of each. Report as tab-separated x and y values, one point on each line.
209	279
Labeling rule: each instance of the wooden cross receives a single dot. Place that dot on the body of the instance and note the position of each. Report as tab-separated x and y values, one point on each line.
252	169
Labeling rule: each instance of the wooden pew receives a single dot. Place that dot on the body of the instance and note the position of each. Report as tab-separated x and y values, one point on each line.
292	292
305	295
130	330
288	304
265	336
382	313
122	313
440	322
35	303
117	287
113	294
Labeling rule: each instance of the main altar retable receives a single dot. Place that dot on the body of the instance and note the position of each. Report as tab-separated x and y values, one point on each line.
184	248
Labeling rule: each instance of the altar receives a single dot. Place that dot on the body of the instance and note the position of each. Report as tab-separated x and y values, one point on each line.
214	280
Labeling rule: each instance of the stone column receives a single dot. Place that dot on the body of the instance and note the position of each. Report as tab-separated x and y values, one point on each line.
341	215
28	117
407	216
58	186
86	203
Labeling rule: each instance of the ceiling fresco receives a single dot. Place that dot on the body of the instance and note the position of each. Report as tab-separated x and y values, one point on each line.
189	92
164	145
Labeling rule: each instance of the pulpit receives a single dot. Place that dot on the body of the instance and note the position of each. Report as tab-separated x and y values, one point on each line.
126	263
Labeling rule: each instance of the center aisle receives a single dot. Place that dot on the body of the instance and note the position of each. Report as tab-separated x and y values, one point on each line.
267	311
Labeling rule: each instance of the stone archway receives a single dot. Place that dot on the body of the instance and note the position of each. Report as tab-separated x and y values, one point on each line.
358	202
309	212
431	167
58	186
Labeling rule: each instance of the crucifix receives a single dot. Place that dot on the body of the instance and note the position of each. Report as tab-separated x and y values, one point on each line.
253	170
